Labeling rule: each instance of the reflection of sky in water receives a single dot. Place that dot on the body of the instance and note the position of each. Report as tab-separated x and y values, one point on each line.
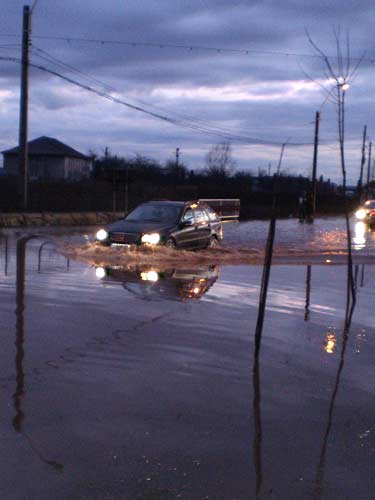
94	353
239	285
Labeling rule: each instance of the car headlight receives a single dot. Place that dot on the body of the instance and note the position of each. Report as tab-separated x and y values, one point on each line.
101	235
361	214
149	276
152	238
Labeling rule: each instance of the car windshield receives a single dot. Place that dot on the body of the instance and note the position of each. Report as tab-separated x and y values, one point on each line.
154	213
370	204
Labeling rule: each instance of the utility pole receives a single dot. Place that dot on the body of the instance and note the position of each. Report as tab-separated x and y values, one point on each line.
312	208
177	156
363	159
278	170
368	169
126	200
114	189
24	102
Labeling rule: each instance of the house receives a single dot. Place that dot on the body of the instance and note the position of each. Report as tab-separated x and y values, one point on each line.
50	159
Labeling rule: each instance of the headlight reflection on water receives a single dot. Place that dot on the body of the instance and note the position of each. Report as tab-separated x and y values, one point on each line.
330	343
359	238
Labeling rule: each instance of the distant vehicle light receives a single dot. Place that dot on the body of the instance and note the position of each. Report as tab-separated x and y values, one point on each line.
361	214
152	239
149	276
100	272
101	235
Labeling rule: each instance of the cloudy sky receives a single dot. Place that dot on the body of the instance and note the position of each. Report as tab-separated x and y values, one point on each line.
257	87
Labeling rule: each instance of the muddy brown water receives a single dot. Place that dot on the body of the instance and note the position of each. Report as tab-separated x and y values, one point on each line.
137	381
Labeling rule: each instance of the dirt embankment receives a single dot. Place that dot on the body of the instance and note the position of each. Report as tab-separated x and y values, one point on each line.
57	219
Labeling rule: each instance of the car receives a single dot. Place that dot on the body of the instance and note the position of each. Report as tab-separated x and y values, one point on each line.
366	212
175	224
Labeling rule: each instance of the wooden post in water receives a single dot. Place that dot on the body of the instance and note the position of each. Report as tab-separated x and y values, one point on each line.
368	170
312	203
363	159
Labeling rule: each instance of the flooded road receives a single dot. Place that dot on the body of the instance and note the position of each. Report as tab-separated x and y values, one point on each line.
243	243
126	383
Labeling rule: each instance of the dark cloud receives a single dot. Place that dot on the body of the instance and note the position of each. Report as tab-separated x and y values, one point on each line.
264	94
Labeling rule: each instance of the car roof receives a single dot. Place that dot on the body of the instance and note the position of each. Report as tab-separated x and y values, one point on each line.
163	202
173	203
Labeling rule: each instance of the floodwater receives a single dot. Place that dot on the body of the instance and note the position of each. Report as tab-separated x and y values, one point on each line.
138	383
243	243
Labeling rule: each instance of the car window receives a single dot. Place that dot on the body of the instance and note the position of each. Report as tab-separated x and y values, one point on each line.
211	214
205	215
154	213
199	215
188	215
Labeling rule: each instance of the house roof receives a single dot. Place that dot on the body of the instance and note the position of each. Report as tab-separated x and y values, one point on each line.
47	146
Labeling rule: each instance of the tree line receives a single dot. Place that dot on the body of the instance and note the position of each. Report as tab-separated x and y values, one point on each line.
120	183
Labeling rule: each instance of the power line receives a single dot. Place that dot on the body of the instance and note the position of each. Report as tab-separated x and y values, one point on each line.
197	127
10	46
181	120
34	5
198	121
42	54
189	47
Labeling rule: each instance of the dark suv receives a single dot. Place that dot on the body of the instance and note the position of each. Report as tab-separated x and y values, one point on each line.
176	224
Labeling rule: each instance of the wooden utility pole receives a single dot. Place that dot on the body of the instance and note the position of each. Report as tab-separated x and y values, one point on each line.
24	102
278	170
114	189
126	198
312	208
368	169
177	156
363	159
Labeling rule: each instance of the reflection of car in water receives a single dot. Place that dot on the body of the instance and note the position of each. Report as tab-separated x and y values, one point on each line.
366	212
151	284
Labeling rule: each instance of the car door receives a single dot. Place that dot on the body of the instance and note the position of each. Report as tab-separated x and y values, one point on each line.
203	227
185	236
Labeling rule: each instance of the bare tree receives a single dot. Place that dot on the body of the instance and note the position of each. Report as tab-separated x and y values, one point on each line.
219	160
339	73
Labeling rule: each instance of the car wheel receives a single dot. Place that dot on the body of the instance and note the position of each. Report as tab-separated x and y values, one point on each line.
213	243
170	243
